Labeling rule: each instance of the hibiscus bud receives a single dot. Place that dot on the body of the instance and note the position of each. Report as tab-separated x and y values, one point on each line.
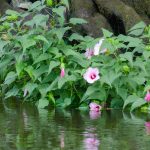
62	73
147	97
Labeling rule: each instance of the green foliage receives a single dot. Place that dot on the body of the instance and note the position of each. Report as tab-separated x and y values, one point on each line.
33	52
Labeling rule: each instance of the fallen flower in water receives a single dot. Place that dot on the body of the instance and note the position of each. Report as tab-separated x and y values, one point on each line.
147	97
95	107
91	75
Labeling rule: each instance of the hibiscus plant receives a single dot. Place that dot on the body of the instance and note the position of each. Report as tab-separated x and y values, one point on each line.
43	60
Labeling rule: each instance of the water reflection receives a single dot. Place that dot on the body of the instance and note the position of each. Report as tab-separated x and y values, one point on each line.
24	127
94	114
91	141
147	127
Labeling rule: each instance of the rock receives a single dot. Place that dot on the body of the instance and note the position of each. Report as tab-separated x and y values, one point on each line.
4	6
118	11
142	7
86	9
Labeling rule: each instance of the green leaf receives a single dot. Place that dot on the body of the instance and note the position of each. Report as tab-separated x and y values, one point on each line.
38	72
60	32
146	55
138	103
90	90
65	79
139	80
136	32
43	103
29	70
53	85
128	56
110	77
75	21
147	88
42	57
52	65
38	20
34	5
130	99
77	57
67	102
12	12
60	11
19	67
26	42
98	95
77	37
30	87
138	26
11	77
41	38
13	92
122	92
65	2
4	62
42	89
2	45
106	33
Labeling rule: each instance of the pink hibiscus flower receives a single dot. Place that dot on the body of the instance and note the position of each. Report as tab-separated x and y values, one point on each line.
89	53
91	75
95	107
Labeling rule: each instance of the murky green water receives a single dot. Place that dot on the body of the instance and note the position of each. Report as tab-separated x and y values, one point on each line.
23	127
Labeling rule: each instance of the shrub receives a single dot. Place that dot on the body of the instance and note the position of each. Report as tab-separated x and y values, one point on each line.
44	61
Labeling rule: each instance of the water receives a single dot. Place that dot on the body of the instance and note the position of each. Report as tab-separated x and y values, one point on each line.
24	127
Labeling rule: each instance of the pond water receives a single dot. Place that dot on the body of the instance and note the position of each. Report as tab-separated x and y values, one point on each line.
24	127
